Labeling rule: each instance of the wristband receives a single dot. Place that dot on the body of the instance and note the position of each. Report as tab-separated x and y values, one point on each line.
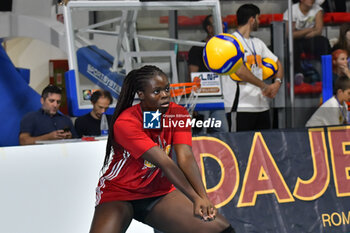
278	80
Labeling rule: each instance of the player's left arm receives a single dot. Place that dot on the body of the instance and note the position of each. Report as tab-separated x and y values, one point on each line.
182	141
189	167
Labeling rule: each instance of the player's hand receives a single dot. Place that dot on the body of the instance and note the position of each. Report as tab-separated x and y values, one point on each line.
204	209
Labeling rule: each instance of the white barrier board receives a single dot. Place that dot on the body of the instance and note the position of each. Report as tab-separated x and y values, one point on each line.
51	188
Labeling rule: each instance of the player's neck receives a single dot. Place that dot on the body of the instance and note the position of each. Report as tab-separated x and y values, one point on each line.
244	31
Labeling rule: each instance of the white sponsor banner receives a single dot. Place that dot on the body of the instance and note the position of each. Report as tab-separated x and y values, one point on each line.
210	83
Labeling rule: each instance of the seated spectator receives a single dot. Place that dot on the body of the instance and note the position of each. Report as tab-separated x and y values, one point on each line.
335	110
343	39
47	123
89	124
340	64
307	24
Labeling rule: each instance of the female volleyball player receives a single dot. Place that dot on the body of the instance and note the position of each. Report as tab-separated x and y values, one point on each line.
140	176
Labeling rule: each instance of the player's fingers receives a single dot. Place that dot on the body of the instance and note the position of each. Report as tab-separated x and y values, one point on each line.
198	212
212	213
205	213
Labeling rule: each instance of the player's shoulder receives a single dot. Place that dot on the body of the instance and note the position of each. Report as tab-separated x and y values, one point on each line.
175	108
130	114
173	105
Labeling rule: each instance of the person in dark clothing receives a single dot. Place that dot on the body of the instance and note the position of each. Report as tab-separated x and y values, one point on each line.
89	124
47	123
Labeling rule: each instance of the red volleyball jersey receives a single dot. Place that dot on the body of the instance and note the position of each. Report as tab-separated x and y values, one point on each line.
129	176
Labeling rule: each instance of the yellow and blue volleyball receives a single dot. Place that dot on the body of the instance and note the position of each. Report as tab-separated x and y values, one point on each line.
269	68
235	77
223	54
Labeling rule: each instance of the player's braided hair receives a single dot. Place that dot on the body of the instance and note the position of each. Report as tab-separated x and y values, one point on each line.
135	81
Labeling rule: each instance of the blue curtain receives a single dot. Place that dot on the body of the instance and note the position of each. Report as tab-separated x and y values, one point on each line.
16	99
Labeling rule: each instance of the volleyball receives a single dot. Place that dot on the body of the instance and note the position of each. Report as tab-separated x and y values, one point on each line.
223	54
234	75
269	69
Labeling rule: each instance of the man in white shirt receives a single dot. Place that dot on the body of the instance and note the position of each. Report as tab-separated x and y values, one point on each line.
253	107
335	110
196	64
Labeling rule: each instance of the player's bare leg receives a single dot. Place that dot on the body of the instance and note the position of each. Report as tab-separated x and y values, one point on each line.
112	217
